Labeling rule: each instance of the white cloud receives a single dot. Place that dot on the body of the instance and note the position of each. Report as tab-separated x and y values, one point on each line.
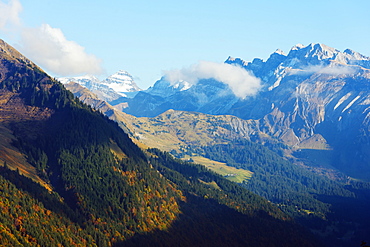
332	69
9	14
337	70
49	48
240	81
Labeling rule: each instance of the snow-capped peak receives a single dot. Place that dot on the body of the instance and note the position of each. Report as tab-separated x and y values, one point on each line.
114	87
240	62
316	51
182	85
121	82
322	51
121	75
297	47
280	52
355	55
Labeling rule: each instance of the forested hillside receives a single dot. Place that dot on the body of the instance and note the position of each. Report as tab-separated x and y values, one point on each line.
319	203
98	188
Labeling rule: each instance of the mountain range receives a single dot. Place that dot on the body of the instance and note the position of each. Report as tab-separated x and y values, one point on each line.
312	109
69	176
314	97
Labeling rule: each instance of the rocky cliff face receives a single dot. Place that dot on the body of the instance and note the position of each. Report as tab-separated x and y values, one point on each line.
314	95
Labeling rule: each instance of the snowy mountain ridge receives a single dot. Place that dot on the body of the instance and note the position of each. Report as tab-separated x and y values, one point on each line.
118	85
308	59
121	82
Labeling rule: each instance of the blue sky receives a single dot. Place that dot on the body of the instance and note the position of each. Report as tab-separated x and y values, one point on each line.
146	38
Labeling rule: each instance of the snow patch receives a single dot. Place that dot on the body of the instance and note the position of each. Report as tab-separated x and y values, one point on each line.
276	84
351	103
366	101
280	52
297	47
344	98
182	85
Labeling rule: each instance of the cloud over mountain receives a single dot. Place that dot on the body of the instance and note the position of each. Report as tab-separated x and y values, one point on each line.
332	69
240	81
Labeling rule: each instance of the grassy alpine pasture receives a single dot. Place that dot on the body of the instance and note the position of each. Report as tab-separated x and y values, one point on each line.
231	173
